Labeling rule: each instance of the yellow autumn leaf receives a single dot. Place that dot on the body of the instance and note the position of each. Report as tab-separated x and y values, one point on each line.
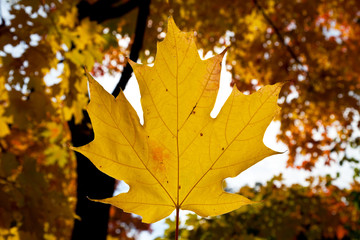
4	121
69	19
180	157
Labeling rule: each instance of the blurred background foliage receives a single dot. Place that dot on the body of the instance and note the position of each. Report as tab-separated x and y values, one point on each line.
317	211
45	44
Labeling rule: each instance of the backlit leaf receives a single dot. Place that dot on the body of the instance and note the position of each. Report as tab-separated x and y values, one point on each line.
180	157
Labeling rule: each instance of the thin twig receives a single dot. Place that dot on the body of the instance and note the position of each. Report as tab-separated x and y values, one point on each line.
281	38
92	11
144	10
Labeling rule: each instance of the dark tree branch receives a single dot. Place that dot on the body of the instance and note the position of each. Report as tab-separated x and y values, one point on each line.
281	38
111	10
91	182
144	10
105	9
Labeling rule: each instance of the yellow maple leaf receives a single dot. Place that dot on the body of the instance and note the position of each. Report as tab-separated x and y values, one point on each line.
180	157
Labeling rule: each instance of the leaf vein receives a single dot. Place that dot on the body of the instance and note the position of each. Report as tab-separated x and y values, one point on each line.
202	177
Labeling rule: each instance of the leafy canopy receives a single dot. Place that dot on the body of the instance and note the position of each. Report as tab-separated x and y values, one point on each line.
179	158
322	96
316	211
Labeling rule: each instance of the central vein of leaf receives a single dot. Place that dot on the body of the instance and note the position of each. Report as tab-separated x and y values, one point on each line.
177	123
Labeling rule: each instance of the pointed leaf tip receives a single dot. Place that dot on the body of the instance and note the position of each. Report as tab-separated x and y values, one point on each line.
172	25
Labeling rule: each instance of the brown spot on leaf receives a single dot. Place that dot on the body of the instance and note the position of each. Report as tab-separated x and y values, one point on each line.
201	134
159	157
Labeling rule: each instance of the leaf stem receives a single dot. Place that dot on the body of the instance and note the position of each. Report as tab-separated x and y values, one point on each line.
177	224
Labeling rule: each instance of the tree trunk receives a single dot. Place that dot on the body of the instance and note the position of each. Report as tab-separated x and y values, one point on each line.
91	183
